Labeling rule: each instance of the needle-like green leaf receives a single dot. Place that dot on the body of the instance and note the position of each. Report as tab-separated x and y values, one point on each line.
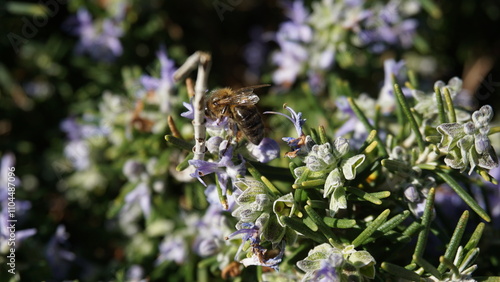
464	195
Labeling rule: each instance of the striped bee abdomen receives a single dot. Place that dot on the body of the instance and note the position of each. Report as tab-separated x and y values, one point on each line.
250	122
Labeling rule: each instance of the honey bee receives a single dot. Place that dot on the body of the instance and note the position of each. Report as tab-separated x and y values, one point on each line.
239	107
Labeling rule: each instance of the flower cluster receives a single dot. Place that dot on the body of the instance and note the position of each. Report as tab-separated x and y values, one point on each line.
99	39
258	212
333	164
468	144
327	263
314	40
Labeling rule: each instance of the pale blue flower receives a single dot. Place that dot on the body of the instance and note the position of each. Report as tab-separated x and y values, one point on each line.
172	248
225	168
164	85
78	152
167	69
394	72
321	264
388	26
213	225
135	274
58	254
139	195
267	150
291	37
190	110
295	118
99	40
252	233
71	128
7	162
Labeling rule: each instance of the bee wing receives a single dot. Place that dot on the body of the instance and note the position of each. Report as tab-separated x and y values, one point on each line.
245	96
251	88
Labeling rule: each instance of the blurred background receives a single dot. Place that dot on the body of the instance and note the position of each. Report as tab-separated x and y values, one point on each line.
54	68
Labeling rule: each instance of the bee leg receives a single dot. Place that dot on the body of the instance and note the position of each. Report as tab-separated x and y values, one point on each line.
229	137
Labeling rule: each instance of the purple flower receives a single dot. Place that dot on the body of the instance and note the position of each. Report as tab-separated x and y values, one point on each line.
296	29
167	69
295	118
164	85
258	257
224	168
190	110
135	274
298	122
78	152
291	37
267	150
139	195
100	41
290	61
212	225
321	263
352	122
7	162
251	233
327	270
71	128
57	253
172	248
77	131
394	72
296	12
388	27
21	235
